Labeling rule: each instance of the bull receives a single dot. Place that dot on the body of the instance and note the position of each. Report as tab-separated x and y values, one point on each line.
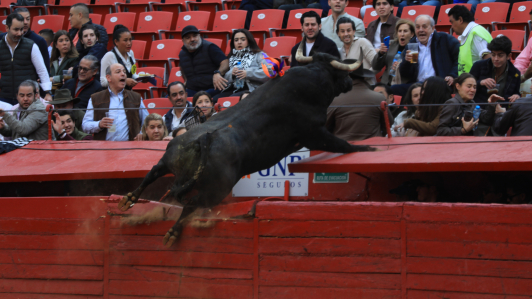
277	119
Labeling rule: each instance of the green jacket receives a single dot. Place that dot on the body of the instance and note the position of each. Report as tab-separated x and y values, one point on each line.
465	59
56	70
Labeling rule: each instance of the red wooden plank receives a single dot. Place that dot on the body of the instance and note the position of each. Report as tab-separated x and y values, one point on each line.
50	226
319	293
150	273
330	264
412	154
188	244
53	207
182	259
469	267
416	294
329	211
517	234
51	272
186	287
498	251
471	284
469	213
51	286
343	229
229	228
52	257
37	242
330	280
330	246
44	296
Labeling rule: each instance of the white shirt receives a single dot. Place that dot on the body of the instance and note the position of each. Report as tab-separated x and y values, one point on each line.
479	45
122	129
50	51
426	69
38	63
109	58
5	106
377	37
177	119
309	47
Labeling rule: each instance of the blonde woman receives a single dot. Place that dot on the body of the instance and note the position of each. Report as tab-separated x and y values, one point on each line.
153	129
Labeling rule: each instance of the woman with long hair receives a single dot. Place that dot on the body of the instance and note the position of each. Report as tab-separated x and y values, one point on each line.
411	98
153	129
245	62
122	54
64	57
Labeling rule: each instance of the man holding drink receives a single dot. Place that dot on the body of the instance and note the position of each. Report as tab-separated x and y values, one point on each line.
428	54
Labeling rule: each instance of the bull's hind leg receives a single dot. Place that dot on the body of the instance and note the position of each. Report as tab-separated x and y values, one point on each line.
156	172
173	233
323	140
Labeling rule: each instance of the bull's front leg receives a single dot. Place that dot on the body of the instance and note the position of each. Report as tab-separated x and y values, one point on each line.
323	140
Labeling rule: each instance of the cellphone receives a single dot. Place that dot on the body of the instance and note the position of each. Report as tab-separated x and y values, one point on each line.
468	115
387	41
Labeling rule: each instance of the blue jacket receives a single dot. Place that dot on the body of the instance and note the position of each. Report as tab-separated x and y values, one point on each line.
444	50
482	69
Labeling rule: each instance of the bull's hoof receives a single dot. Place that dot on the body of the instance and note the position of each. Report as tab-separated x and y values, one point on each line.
126	202
170	238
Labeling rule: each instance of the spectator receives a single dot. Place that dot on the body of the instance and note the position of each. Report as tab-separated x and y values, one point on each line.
298	4
203	64
438	56
427	118
386	91
357	123
473	38
79	16
313	39
203	100
89	36
404	31
154	129
64	57
452	122
519	118
15	68
328	24
65	128
64	100
244	50
86	83
497	70
244	95
411	98
406	3
524	65
126	123
252	5
384	26
4	106
122	54
178	97
31	119
48	35
355	47
473	3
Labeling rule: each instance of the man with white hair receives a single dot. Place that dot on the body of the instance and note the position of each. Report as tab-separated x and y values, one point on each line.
437	56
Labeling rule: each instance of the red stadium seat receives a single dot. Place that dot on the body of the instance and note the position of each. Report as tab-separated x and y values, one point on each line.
136	6
264	21
159	92
371	15
143	88
224	23
228	102
34	10
200	19
293	25
53	22
231	4
518	38
104	7
352	11
139	49
443	24
279	47
3	20
411	12
215	41
5	8
487	13
175	75
173	6
111	20
519	18
161	51
358	3
212	6
397	100
153	105
149	24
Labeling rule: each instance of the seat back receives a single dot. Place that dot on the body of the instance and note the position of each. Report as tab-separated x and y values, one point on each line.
263	20
152	105
294	18
200	19
139	48
164	49
516	36
153	21
520	12
228	20
411	12
125	18
175	75
212	6
491	12
54	22
228	102
279	46
443	18
215	41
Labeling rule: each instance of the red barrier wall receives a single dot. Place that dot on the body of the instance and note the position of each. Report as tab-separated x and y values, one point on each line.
72	248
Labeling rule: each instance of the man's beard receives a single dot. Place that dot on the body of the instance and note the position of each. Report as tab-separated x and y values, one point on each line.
194	48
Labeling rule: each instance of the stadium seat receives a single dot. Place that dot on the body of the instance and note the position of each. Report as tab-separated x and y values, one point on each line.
162	52
358	3
200	19
411	12
212	6
519	18
111	20
397	99
53	22
149	24
136	6
264	21
487	13
279	47
153	105
95	18
293	25
173	6
443	24
161	92
224	23
3	20
352	11
215	41
5	8
231	4
371	15
104	7
63	9
143	88
518	38
34	10
227	102
139	48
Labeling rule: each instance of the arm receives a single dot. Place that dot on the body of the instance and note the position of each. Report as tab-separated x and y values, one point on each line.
32	122
504	121
379	62
446	128
480	46
143	112
424	128
369	51
360	30
40	68
255	72
522	62
454	50
43	48
89	125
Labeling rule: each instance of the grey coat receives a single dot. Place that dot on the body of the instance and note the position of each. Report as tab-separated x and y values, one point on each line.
255	76
32	125
387	61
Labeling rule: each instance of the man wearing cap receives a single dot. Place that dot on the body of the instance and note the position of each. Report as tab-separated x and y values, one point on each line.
63	100
357	123
203	64
86	83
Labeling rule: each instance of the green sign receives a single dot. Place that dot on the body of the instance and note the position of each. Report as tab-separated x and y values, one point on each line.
337	177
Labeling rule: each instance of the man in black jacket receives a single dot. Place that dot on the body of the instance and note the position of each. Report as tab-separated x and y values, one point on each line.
313	38
87	83
79	15
519	118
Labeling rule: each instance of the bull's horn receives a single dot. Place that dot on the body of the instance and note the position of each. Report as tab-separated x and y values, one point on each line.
346	67
299	54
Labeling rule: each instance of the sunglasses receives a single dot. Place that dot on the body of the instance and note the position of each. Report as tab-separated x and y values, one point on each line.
83	69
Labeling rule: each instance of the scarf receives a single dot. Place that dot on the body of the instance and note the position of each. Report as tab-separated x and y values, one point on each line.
245	56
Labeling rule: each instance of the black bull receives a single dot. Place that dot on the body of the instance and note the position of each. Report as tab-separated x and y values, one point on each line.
277	119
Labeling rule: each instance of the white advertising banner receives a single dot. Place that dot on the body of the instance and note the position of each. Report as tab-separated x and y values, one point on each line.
270	182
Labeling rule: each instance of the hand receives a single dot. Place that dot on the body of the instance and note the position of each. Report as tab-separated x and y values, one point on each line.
449	80
408	56
106	122
219	82
2	112
48	97
469	125
168	138
383	49
138	137
489	83
499	109
495	98
57	124
399	127
70	68
395	65
240	74
131	82
513	98
51	79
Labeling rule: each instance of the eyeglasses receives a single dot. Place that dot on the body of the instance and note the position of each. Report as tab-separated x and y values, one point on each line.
83	69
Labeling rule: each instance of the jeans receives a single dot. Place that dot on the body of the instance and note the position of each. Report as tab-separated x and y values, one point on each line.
288	7
212	92
403	4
